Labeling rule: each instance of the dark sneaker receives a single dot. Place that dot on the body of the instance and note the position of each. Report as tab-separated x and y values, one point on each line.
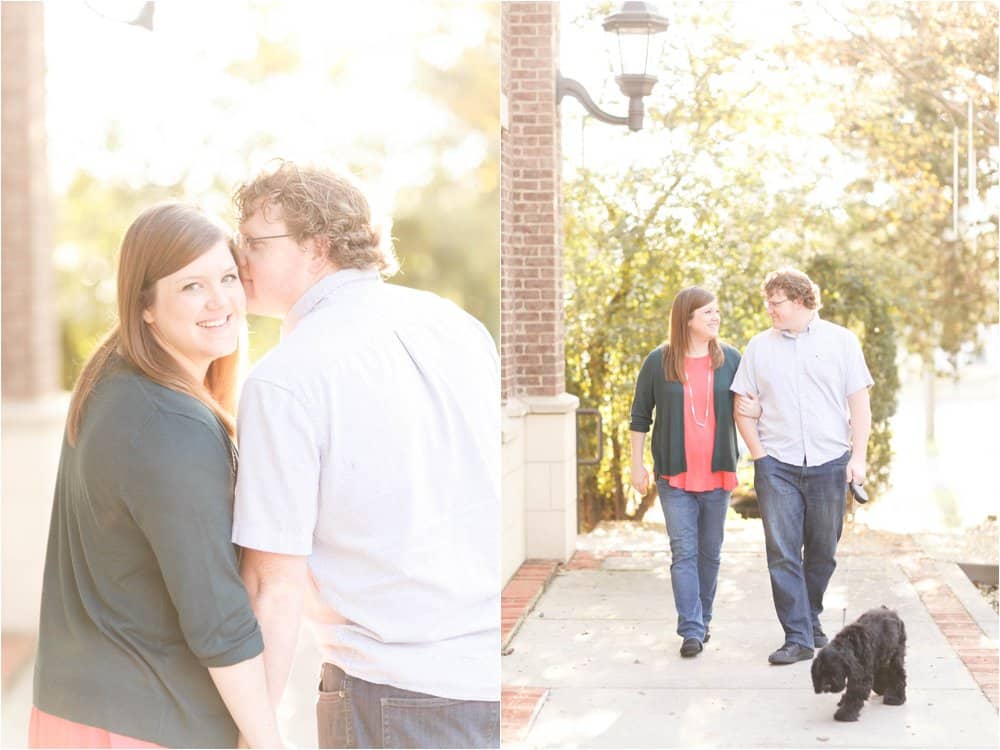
691	647
708	635
819	637
790	653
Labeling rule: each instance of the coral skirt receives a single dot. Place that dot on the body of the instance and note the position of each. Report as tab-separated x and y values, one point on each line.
46	730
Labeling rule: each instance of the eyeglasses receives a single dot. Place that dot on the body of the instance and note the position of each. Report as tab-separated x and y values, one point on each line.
244	241
771	304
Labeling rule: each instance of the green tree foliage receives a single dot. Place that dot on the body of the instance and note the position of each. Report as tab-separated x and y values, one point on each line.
448	238
905	74
743	182
448	231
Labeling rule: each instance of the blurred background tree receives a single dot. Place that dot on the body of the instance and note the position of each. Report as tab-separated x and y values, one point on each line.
217	90
909	75
454	224
823	141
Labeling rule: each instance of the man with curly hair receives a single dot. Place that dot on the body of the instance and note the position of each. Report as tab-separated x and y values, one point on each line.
368	493
811	382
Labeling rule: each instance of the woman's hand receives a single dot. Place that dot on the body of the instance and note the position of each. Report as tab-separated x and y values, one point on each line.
243	688
640	479
748	406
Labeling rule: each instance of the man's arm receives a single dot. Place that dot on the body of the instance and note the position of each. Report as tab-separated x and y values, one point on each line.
746	411
859	405
276	585
746	406
748	430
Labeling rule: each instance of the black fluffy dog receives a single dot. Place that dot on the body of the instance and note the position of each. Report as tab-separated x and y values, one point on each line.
866	655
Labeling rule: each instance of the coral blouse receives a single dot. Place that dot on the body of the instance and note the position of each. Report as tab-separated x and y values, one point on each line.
46	730
699	432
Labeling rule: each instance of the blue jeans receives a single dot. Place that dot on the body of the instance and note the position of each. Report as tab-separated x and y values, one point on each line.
696	522
354	713
802	508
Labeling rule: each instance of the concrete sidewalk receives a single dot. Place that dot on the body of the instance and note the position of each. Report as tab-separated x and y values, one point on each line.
595	663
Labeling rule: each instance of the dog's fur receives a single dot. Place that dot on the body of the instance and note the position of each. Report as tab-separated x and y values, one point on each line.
866	655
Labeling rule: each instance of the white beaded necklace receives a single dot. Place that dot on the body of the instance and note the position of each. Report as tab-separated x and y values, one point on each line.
708	396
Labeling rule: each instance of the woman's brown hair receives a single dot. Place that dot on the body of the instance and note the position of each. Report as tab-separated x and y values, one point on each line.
685	303
162	240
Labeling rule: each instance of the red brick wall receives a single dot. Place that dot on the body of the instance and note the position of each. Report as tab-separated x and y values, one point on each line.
30	364
507	384
531	225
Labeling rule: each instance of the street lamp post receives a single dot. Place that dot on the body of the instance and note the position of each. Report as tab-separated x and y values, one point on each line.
634	25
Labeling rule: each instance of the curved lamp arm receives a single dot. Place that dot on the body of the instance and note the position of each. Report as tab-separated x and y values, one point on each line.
635	87
575	89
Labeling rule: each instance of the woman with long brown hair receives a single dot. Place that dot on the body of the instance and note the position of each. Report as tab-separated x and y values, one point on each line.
686	383
146	636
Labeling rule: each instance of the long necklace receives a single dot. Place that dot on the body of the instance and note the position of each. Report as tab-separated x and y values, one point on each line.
708	396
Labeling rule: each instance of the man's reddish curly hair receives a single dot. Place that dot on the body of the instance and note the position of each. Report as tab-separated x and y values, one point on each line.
318	202
794	284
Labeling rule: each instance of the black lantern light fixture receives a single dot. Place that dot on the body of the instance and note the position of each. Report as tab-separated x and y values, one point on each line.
634	25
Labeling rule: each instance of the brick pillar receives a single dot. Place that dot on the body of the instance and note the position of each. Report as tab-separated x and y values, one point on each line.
540	424
33	407
531	222
29	349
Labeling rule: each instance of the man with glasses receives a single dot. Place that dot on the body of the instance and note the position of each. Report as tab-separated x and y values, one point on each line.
368	491
811	381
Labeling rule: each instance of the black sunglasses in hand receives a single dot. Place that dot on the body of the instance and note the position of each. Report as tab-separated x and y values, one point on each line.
858	492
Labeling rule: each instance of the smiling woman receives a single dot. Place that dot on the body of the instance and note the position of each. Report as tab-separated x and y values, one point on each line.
686	383
166	244
406	102
146	633
197	311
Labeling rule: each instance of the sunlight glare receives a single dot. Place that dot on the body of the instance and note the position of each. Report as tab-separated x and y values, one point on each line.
140	106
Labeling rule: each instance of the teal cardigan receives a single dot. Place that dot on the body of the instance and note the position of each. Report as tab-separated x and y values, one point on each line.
654	392
142	591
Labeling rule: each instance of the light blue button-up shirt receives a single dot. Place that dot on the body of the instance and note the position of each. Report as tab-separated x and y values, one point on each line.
370	441
803	381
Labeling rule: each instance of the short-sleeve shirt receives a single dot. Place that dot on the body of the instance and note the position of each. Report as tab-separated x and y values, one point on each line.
142	592
370	442
803	381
